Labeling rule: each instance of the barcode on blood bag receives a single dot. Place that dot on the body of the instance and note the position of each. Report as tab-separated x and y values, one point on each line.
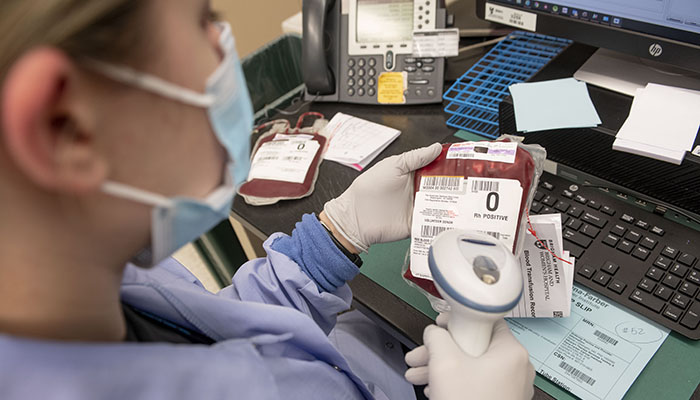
444	183
605	338
497	235
431	231
580	375
484	186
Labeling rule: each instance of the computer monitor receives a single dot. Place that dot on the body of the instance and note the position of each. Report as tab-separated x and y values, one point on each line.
664	32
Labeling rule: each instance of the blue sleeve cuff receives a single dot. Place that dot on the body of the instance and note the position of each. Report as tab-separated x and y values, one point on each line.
314	251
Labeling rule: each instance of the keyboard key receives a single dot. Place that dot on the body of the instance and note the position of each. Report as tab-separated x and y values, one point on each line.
549	201
625	246
681	300
658	231
648	242
577	238
575	211
655	273
586	271
647	300
601	278
670	252
633	236
611	240
536	207
686	259
662	262
694	277
641	253
619	230
671	281
568	194
608	210
617	286
642	224
594	220
574	250
593	204
580	199
646	285
610	267
673	313
574	224
565	219
627	218
590	231
539	195
679	270
547	210
692	317
548	186
562	206
663	292
688	289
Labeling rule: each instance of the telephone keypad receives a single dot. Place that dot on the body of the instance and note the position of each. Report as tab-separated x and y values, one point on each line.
351	72
372	62
361	81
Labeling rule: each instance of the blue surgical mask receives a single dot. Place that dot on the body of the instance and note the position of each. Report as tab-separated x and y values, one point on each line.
179	220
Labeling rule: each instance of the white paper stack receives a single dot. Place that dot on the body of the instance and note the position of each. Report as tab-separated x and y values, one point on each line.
662	123
547	280
355	142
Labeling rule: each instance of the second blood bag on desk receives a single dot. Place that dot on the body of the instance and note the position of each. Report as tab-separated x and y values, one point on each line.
483	186
285	162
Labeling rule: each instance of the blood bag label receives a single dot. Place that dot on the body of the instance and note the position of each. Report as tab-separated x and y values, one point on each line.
486	205
488	151
283	160
442	183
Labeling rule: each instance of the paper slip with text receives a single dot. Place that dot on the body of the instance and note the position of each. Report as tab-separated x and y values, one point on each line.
547	280
596	353
355	142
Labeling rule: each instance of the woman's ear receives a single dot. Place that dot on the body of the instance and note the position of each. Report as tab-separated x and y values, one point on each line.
46	123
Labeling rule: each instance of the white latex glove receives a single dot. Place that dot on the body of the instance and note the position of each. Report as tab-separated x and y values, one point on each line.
503	372
378	206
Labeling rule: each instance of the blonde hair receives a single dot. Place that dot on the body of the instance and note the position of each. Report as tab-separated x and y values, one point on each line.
98	29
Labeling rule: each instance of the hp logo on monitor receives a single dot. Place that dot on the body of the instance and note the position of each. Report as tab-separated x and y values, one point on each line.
655	50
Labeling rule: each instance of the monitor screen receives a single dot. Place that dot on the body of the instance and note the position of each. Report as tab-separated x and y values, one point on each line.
382	21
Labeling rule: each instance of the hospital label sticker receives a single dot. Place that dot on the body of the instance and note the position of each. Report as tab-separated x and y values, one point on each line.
489	151
509	16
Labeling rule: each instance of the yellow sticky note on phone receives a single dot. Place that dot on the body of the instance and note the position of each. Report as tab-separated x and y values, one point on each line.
391	87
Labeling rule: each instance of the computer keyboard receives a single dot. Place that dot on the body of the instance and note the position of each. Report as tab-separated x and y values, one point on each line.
632	256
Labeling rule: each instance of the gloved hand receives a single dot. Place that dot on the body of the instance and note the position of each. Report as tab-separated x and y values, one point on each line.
378	206
503	372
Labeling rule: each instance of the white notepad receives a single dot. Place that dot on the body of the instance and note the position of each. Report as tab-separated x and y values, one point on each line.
355	142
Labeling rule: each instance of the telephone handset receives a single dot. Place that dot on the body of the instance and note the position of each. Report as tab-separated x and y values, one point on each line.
349	46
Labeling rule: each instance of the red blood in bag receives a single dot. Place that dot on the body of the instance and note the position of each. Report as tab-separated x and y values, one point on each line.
523	170
291	190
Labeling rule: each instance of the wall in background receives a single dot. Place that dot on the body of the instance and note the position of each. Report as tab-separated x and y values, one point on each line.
255	22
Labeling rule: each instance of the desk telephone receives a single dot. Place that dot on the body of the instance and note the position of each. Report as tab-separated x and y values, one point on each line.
349	44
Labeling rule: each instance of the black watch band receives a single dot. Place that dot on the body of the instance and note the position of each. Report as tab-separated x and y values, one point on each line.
355	258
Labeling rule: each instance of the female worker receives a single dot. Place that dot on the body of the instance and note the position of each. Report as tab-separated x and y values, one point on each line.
124	128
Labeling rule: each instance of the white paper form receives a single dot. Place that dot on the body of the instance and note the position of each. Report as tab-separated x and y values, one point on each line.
486	205
597	352
283	160
662	123
355	142
547	281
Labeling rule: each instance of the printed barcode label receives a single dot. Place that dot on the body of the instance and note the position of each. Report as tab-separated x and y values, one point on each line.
497	235
485	186
431	231
580	375
557	314
443	183
605	338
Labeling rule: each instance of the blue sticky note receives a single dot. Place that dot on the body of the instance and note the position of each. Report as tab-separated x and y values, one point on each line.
556	104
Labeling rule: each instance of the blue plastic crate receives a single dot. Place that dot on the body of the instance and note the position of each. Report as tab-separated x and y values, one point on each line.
475	96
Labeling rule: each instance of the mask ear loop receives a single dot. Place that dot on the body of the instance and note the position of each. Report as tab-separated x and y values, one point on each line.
150	83
137	195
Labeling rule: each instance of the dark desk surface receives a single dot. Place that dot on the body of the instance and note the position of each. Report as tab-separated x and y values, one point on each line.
420	126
